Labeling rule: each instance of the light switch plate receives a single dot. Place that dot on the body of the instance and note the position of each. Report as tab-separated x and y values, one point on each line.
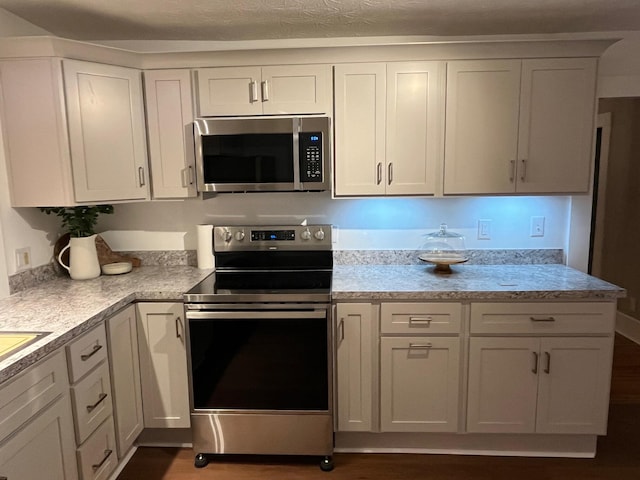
537	227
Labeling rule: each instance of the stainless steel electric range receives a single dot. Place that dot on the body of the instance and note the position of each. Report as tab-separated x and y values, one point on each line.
259	337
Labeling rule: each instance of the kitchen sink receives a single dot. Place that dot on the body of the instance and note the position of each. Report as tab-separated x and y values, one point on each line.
12	342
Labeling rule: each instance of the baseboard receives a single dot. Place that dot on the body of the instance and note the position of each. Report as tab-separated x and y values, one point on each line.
123	463
628	327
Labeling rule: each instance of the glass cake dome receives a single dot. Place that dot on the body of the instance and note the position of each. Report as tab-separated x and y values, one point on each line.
443	248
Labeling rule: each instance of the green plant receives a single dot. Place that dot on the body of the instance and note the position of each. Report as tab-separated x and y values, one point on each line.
79	221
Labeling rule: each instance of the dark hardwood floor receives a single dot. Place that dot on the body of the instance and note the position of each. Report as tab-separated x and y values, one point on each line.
618	456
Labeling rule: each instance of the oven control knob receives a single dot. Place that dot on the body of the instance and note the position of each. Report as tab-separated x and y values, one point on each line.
227	235
306	234
319	235
240	235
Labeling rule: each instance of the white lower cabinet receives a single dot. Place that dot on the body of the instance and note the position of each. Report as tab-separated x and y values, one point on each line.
122	335
163	365
404	379
542	380
419	379
355	356
36	429
87	358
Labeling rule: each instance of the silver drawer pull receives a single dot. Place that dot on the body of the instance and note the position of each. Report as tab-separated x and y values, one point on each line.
91	408
87	356
420	345
542	319
420	320
107	454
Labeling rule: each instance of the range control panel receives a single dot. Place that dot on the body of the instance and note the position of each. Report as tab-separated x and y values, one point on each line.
291	237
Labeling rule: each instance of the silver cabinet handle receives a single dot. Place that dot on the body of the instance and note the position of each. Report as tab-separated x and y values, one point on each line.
542	319
390	179
253	91
341	328
91	408
178	327
547	369
265	91
107	454
141	176
191	176
420	320
87	356
523	174
535	363
512	170
420	345
379	179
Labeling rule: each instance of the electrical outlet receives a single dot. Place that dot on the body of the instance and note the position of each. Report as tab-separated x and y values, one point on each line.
23	258
537	227
484	229
334	234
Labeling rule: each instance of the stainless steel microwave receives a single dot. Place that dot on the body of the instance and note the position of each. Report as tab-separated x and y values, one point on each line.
262	154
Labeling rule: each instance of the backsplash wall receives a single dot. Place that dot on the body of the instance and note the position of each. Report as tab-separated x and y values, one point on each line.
360	224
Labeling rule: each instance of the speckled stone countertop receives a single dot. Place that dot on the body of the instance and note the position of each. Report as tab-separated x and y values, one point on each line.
68	308
472	282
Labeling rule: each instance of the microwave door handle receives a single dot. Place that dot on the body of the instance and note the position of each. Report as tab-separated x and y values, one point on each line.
297	124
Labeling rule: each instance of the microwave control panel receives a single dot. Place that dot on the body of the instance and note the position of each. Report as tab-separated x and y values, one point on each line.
311	157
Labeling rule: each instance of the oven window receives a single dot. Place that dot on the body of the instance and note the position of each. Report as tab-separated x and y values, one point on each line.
259	364
248	158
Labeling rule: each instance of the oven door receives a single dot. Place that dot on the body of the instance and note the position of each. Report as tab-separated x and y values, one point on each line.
260	378
259	360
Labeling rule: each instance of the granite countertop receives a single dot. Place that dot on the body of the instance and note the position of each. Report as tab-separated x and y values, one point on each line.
68	308
472	282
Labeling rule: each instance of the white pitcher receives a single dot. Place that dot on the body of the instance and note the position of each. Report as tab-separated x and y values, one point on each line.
83	258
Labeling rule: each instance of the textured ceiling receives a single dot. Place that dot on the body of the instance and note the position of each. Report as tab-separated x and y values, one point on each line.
274	19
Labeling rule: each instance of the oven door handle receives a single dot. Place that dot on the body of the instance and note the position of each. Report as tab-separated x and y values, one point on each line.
258	315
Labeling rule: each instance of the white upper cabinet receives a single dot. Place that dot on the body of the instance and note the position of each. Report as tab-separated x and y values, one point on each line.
169	107
360	91
519	126
275	90
106	131
556	125
388	128
73	132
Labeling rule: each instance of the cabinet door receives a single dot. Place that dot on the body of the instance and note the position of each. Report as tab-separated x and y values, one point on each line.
419	384
296	89
354	363
229	91
575	375
482	109
503	384
170	132
415	109
44	448
360	129
556	125
106	132
125	377
163	365
34	130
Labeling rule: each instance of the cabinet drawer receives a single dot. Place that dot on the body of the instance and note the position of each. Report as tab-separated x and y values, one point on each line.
92	402
31	391
86	352
417	318
97	457
541	318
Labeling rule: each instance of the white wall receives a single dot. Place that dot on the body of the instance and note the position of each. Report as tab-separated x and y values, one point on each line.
13	26
375	223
